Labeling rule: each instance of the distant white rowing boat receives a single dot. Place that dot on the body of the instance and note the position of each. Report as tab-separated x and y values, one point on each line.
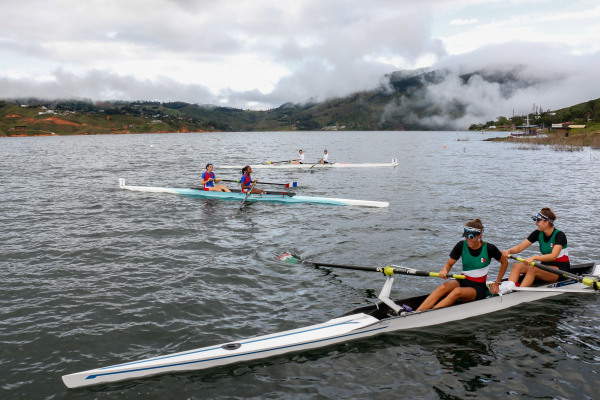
288	165
272	197
383	317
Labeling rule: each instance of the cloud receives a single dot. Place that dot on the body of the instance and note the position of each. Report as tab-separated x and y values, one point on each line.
459	22
232	48
502	86
264	53
102	85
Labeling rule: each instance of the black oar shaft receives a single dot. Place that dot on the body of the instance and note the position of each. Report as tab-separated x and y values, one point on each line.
400	271
546	268
248	193
356	267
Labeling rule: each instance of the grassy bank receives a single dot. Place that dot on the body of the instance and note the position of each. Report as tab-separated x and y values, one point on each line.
576	140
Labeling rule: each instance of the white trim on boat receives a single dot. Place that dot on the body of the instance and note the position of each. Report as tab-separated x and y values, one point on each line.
273	198
312	165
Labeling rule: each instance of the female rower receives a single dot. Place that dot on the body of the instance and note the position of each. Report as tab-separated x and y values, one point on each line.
476	257
208	180
246	181
553	246
300	158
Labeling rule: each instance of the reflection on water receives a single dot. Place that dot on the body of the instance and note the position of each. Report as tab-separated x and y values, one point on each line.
93	275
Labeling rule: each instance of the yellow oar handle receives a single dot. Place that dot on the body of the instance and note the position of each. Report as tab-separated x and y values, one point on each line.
389	270
522	260
448	276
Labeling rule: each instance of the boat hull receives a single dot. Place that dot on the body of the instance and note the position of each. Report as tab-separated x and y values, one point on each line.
360	323
311	166
273	198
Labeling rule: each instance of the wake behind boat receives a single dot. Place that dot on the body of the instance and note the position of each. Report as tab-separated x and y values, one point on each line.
288	165
384	317
274	197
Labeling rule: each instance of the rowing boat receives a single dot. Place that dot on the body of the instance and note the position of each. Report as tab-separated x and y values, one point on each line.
269	196
317	165
383	317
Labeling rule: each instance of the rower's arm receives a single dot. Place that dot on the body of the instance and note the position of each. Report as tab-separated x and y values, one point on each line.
503	267
204	181
447	267
517	249
549	257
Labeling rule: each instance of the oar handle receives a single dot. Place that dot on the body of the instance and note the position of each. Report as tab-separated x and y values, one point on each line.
437	275
410	271
593	283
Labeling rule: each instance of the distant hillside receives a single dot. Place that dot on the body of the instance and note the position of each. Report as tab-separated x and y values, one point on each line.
406	100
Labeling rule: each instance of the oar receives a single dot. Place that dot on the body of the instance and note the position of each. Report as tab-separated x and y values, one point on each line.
593	283
315	163
287	185
388	270
248	193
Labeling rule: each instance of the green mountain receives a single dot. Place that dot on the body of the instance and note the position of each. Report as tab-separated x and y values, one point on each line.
407	100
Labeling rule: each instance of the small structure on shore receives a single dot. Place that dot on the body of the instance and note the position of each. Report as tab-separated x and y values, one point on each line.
566	127
526	130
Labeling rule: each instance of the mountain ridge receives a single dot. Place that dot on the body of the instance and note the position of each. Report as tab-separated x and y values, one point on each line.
405	100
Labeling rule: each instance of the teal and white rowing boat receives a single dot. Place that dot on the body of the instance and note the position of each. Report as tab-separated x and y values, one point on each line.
273	197
309	165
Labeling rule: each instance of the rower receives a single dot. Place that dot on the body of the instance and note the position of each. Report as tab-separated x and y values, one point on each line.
325	158
476	257
246	181
299	159
208	180
553	246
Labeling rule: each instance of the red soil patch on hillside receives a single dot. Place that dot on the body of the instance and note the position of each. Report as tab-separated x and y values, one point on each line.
12	116
59	121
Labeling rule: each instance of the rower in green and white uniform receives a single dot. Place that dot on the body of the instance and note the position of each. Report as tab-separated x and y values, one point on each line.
553	246
476	257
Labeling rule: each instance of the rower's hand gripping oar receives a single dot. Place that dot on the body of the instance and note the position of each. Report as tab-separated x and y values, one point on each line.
321	159
287	185
387	271
593	283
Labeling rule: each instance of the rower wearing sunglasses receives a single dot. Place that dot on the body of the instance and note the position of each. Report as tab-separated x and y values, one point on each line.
553	246
476	257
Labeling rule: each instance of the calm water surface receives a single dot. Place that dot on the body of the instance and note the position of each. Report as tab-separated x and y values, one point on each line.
92	275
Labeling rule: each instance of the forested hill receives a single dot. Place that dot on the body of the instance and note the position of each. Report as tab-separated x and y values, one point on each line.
409	100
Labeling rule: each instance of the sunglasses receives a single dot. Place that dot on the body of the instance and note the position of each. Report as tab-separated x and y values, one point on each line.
471	233
540	217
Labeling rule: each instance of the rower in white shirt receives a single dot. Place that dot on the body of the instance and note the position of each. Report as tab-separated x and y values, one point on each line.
299	159
325	158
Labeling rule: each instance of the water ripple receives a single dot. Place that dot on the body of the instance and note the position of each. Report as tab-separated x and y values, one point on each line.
93	275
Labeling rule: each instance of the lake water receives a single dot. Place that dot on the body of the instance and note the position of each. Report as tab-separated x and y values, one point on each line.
92	275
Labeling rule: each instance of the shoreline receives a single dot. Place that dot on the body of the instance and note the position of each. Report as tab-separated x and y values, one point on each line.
559	141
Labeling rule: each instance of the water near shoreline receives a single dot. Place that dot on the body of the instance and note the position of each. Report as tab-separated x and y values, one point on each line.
93	275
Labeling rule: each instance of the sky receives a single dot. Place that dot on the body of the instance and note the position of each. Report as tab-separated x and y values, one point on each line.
259	54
